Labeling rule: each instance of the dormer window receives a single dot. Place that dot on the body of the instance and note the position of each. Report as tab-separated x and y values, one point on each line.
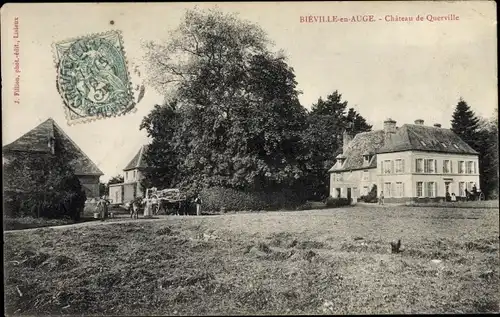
367	156
341	159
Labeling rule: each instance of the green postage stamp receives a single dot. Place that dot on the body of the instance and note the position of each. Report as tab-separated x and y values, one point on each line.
93	78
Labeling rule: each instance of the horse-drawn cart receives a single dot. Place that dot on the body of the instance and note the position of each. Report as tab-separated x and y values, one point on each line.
168	200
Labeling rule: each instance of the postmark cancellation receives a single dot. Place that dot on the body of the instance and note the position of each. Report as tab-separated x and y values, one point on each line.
93	78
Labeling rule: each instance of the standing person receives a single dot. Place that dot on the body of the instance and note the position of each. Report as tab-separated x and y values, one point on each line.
466	195
197	201
381	198
474	192
103	208
453	197
135	209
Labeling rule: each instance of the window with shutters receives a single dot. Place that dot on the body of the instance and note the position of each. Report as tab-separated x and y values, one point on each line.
429	166
446	166
387	189
470	167
470	185
461	189
387	167
431	189
399	163
399	189
420	189
419	164
461	167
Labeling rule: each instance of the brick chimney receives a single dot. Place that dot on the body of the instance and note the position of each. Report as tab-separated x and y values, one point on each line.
437	125
346	139
389	126
419	122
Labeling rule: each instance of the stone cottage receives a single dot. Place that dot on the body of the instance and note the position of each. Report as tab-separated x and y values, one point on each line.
41	140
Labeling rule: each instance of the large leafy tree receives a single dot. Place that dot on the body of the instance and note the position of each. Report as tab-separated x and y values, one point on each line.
327	121
237	121
482	136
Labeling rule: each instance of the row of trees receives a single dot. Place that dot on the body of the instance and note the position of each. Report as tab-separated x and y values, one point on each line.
233	118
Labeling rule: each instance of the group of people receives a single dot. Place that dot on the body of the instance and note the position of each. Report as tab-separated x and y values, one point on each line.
102	206
473	194
136	206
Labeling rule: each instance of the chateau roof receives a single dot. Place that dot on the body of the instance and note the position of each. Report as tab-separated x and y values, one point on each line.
37	141
409	137
425	138
361	143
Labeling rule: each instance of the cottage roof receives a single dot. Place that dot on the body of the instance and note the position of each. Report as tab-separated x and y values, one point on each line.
138	160
37	141
425	138
361	143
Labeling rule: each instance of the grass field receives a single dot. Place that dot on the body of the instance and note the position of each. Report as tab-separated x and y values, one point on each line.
304	262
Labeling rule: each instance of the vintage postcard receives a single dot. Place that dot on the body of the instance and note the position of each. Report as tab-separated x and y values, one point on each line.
250	158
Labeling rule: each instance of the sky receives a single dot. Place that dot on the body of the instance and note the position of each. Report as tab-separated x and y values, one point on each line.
402	70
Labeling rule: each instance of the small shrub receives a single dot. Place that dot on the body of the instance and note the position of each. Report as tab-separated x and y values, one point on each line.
337	202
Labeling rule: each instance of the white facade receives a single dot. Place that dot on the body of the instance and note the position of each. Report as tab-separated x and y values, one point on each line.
360	183
411	175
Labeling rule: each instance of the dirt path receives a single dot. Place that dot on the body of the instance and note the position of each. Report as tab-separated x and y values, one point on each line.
94	223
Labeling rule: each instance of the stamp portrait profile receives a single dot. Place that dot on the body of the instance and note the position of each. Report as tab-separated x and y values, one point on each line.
93	78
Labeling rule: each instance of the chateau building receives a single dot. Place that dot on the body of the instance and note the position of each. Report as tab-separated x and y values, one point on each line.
413	162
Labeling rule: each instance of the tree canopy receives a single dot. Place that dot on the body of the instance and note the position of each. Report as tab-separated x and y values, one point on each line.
233	118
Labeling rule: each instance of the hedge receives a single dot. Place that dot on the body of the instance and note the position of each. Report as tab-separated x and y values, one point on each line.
218	199
337	202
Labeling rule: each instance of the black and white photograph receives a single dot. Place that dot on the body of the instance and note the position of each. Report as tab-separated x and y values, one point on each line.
250	158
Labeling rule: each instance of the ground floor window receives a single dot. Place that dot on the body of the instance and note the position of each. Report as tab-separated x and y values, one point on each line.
387	190
470	185
431	189
399	189
420	191
461	189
